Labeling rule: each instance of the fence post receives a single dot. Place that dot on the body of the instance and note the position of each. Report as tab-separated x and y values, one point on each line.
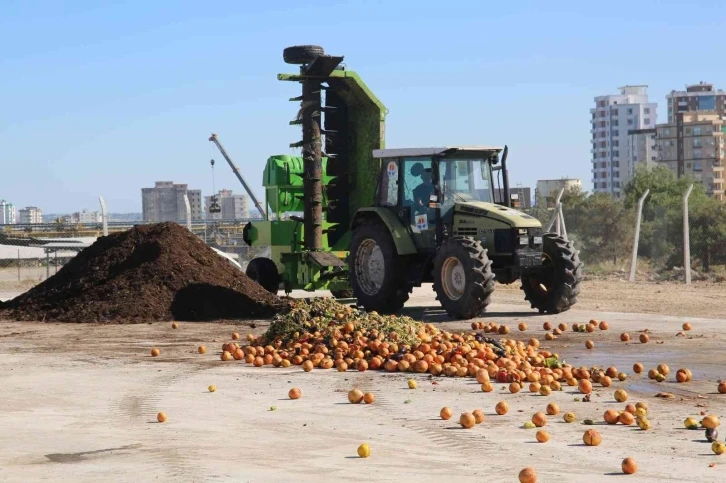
636	239
686	237
47	264
18	265
188	208
562	223
104	217
555	220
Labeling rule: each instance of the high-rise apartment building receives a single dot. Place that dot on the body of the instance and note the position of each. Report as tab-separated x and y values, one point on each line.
612	117
693	145
30	215
165	202
696	97
7	213
233	207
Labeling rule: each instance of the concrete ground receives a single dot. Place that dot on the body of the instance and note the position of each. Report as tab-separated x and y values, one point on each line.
79	402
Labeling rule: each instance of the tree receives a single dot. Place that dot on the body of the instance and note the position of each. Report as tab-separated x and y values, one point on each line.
708	233
601	226
661	231
665	188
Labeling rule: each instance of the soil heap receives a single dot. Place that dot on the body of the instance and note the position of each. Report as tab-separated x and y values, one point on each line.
148	273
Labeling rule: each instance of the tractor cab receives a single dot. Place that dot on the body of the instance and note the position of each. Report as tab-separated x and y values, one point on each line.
438	192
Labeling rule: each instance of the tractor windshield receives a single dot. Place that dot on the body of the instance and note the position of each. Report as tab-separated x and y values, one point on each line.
464	180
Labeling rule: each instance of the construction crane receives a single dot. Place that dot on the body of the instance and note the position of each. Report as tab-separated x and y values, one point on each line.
258	205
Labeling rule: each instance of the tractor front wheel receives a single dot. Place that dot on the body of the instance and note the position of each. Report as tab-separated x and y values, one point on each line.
463	278
556	288
264	271
375	269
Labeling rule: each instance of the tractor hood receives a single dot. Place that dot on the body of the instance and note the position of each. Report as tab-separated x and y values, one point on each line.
510	216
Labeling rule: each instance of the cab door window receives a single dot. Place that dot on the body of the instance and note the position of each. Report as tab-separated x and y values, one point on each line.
388	184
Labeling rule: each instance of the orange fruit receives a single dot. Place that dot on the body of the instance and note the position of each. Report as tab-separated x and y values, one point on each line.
542	436
528	475
467	420
629	466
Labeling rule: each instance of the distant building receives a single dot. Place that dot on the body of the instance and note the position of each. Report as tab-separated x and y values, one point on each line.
165	202
8	215
612	117
548	189
696	97
86	217
30	215
694	146
233	207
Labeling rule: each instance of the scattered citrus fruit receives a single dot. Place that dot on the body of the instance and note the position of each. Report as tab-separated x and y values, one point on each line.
364	451
528	475
629	466
591	438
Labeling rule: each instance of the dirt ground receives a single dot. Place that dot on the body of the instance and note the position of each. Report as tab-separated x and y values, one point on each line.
700	299
80	400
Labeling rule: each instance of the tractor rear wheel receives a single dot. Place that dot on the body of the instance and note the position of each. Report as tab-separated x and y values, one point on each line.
375	269
556	289
264	271
463	278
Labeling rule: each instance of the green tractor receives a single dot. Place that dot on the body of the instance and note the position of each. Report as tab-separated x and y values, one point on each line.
378	222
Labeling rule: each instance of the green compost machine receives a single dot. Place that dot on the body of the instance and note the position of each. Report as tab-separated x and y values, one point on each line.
371	223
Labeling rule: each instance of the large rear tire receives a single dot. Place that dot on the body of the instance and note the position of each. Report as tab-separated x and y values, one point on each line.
264	271
557	289
463	278
302	54
375	269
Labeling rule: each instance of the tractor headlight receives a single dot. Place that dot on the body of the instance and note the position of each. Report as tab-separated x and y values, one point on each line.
537	240
524	240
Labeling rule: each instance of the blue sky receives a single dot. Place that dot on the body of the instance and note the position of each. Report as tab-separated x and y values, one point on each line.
104	98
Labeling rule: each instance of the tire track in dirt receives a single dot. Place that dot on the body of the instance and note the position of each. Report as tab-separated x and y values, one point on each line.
142	409
472	441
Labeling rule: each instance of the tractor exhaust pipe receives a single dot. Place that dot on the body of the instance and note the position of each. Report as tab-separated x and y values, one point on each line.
505	178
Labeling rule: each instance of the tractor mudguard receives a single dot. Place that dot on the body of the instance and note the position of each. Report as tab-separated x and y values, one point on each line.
399	232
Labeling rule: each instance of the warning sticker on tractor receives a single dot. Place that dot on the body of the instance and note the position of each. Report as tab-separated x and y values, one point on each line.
422	222
392	169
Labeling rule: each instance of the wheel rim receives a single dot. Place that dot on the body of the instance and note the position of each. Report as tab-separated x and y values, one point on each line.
370	268
453	278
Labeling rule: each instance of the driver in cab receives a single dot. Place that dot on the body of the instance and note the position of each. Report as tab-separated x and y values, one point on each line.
422	192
